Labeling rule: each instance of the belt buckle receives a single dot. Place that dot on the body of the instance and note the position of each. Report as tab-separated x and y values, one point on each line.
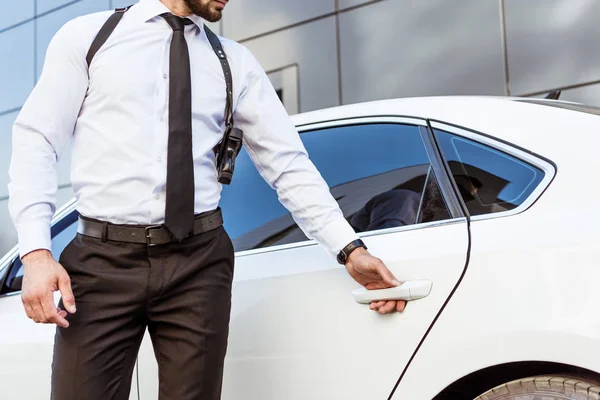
148	229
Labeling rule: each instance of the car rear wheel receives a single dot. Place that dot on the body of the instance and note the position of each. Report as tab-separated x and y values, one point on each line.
546	387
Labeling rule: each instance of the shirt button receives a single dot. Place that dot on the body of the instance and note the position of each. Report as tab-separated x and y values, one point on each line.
157	196
159	160
165	76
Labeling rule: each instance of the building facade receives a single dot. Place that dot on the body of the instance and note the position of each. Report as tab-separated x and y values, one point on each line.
323	53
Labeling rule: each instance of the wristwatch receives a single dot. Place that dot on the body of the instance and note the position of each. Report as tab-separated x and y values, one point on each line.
342	256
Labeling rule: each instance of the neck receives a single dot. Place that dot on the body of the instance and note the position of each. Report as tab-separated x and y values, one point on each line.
177	7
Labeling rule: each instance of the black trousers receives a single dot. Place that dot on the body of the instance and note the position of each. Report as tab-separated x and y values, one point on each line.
180	292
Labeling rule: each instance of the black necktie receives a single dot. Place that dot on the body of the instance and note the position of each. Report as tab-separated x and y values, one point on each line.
179	211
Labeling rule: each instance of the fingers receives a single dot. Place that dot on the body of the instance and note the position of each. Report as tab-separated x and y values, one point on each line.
376	305
387	275
62	313
52	315
28	308
38	313
386	307
33	308
400	305
43	310
41	278
40	307
68	299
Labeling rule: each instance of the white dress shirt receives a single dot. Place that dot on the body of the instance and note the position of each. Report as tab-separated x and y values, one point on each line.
116	118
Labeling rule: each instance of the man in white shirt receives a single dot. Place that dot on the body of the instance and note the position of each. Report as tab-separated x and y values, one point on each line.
151	251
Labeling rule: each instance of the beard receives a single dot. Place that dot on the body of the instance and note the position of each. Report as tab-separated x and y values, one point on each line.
204	9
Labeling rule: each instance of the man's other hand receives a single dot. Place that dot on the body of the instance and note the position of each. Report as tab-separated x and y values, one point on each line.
372	273
42	277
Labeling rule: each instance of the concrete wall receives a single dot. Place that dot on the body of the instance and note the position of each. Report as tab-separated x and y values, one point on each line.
322	53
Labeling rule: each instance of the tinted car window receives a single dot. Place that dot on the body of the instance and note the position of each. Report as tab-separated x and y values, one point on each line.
376	172
489	180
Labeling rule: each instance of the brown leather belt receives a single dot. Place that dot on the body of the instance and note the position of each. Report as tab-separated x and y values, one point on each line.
152	235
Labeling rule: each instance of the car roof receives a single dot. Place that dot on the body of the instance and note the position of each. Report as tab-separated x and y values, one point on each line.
533	124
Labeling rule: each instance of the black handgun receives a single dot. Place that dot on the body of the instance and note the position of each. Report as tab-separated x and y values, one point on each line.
228	151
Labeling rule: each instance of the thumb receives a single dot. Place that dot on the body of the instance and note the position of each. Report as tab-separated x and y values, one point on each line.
387	276
64	285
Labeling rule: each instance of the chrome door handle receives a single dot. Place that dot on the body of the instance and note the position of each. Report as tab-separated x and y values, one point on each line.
409	290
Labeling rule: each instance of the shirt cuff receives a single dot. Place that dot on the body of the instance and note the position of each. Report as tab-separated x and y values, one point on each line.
336	235
34	236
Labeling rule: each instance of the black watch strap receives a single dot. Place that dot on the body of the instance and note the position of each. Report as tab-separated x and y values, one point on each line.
342	256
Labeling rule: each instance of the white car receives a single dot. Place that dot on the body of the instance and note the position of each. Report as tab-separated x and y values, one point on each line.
489	204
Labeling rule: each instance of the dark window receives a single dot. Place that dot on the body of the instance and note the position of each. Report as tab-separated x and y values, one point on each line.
489	180
376	172
59	242
433	206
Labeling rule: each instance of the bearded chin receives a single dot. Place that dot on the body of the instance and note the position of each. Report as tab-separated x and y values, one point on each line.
203	11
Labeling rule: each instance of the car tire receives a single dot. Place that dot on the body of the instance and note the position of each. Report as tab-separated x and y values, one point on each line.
546	387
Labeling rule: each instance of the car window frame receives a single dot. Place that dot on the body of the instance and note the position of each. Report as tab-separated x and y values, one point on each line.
536	160
434	158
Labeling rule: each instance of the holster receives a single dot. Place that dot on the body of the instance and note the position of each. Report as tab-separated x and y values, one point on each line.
226	153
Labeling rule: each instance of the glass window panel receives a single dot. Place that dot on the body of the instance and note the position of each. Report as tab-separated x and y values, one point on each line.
16	68
430	47
489	180
13	12
6	123
311	49
551	43
268	15
48	5
122	3
376	172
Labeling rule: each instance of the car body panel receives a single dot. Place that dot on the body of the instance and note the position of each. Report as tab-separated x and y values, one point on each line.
530	291
541	308
23	341
296	332
26	353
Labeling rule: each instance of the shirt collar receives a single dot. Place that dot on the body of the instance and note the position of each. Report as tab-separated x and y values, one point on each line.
150	9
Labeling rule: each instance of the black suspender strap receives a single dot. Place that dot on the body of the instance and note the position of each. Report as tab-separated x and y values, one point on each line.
218	49
105	32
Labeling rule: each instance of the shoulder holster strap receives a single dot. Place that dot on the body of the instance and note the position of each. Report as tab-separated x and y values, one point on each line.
112	22
218	49
224	160
105	32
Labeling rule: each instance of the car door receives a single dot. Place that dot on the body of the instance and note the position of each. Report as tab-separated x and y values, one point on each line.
26	348
296	331
498	183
